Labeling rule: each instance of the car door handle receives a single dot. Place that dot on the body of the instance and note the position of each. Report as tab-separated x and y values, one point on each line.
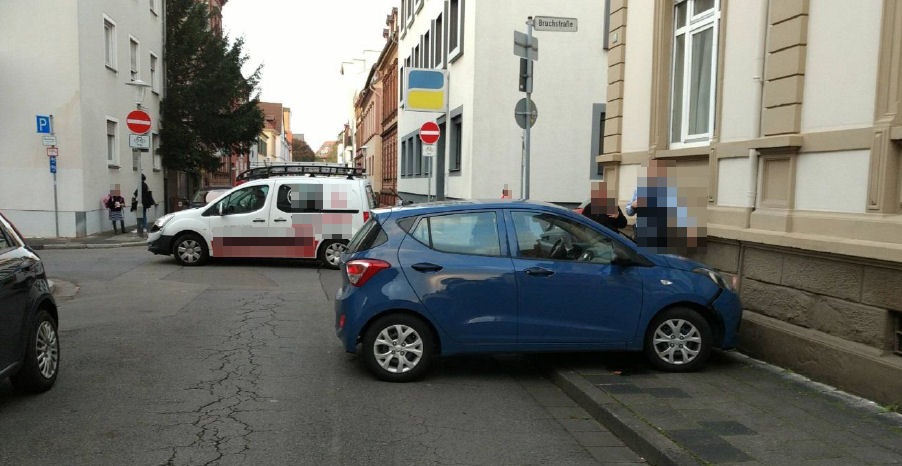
426	267
538	272
259	220
280	220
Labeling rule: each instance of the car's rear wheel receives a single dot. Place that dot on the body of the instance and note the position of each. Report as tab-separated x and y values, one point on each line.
330	253
398	348
42	355
190	249
678	340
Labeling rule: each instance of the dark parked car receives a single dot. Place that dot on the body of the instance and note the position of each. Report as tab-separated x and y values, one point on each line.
29	341
471	276
203	196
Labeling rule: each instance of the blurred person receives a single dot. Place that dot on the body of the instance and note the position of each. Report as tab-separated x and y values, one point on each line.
115	202
603	208
662	224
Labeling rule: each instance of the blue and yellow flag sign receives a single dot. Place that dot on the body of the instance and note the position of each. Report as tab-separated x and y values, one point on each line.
425	90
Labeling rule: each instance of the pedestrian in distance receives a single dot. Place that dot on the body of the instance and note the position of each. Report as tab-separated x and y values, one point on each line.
115	202
603	208
146	201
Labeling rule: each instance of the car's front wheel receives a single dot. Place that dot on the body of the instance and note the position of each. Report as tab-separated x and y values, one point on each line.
190	249
330	253
678	340
398	348
42	356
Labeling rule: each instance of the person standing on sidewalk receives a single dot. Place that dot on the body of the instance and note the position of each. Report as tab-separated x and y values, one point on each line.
146	200
115	202
603	208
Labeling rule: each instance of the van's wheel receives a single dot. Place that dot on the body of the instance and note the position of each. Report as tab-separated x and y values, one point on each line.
42	356
678	340
330	253
398	348
190	250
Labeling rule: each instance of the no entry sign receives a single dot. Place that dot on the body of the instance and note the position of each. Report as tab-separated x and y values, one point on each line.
429	132
138	121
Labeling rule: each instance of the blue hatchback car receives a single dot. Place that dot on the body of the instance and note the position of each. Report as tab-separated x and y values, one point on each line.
518	276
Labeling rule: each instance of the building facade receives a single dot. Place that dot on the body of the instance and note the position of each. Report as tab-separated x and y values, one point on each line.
275	147
792	157
481	148
387	71
79	81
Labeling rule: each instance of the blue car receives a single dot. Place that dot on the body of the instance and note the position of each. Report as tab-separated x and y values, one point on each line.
520	276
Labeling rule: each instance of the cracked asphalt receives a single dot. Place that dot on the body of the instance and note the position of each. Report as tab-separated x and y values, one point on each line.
237	363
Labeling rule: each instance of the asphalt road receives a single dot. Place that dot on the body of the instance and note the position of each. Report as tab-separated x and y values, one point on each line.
237	363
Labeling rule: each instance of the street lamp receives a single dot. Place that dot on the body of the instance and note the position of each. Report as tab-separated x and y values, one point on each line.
140	88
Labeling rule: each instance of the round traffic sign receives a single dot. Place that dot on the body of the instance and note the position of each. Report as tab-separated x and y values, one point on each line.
138	121
520	113
429	132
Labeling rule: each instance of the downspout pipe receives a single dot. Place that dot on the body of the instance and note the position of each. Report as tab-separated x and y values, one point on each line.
759	104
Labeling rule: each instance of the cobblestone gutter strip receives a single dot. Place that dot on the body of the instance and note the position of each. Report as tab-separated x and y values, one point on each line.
645	440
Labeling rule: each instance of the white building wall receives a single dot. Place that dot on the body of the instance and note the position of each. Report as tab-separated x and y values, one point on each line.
67	78
569	78
637	80
815	188
742	70
834	100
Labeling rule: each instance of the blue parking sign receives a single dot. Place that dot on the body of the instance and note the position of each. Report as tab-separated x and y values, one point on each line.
43	123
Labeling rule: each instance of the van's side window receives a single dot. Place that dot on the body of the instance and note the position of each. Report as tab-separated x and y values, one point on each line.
314	198
245	200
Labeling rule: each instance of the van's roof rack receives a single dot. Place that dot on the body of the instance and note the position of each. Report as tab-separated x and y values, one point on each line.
299	168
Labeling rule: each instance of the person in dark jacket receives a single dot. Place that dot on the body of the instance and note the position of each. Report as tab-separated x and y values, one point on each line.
146	201
603	208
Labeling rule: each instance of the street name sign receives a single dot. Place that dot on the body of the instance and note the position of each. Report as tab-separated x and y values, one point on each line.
553	23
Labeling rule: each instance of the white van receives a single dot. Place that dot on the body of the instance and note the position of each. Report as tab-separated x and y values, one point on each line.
292	216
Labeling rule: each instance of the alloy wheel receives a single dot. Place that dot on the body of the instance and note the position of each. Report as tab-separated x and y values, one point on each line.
677	341
398	348
47	349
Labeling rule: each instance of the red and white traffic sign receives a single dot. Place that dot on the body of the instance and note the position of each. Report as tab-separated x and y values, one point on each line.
429	132
138	121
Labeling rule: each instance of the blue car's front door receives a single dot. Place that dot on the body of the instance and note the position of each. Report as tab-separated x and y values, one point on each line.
459	267
569	292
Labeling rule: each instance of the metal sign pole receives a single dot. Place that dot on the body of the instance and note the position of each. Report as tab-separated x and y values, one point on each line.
56	206
526	141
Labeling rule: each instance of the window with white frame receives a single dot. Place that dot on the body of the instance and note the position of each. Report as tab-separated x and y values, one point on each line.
109	43
133	58
695	29
410	13
427	50
439	40
154	74
455	29
112	142
155	151
456	135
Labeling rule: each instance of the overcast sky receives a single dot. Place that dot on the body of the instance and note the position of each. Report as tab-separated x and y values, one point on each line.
301	45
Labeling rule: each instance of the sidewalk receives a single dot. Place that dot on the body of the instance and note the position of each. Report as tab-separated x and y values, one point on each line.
99	240
737	411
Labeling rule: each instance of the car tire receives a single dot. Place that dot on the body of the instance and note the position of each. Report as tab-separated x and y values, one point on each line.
395	359
330	253
42	355
190	250
678	340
